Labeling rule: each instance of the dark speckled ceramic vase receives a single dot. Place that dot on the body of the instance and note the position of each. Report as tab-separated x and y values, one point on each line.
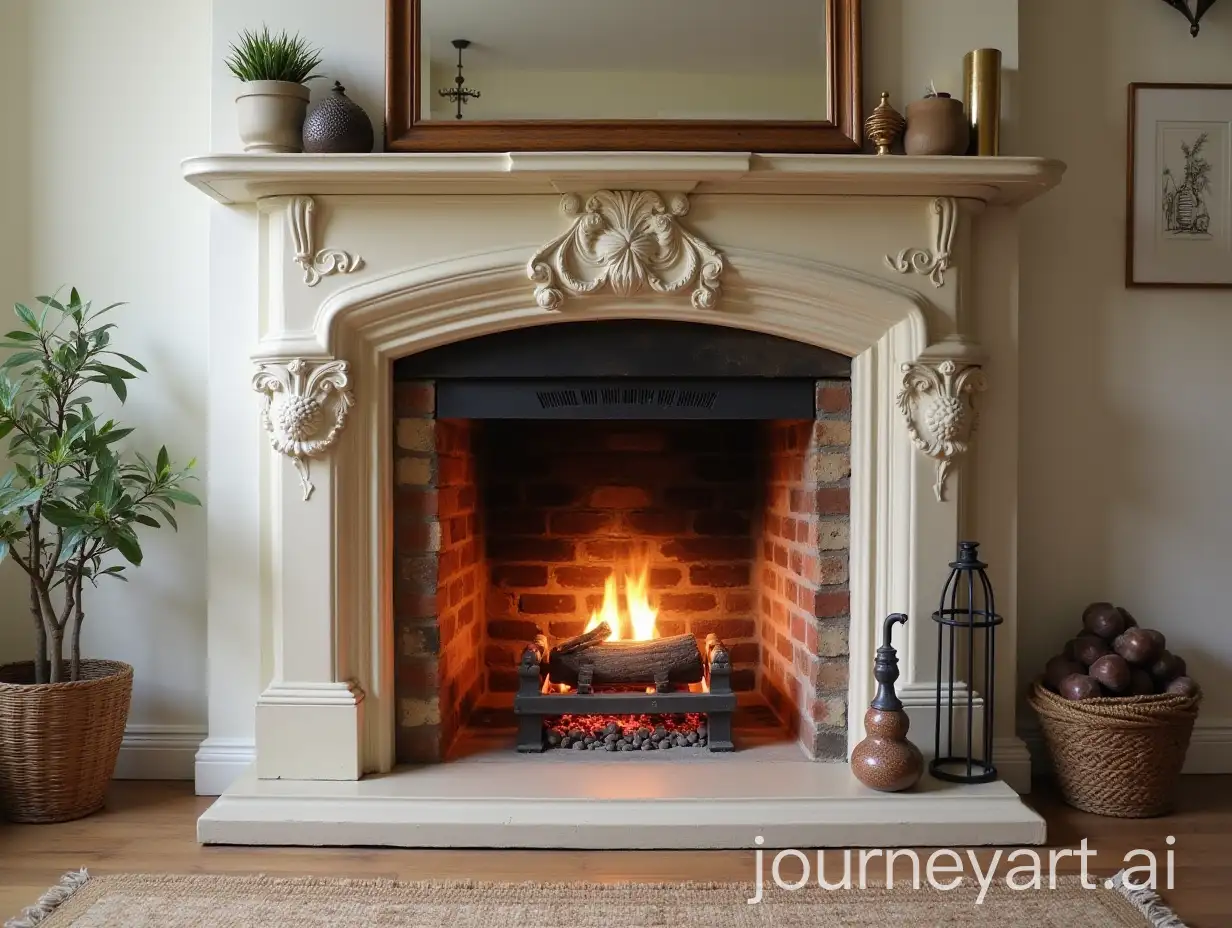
885	760
337	124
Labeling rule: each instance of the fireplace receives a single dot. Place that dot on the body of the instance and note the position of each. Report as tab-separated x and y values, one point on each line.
400	522
668	539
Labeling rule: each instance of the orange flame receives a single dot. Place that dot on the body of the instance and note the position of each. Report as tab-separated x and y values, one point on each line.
638	622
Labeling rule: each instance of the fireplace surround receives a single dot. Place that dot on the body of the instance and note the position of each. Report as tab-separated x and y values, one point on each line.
359	261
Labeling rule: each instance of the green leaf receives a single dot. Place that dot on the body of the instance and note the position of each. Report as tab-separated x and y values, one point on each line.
64	517
126	543
21	357
166	514
164	460
181	496
4	550
147	520
52	302
132	362
14	500
21	335
26	316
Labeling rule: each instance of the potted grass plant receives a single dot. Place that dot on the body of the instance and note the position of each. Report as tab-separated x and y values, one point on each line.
70	507
273	99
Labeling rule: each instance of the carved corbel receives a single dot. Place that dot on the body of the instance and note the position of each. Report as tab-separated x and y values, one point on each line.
936	262
316	263
628	240
305	407
937	400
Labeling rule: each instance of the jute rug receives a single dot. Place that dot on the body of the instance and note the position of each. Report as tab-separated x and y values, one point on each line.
148	901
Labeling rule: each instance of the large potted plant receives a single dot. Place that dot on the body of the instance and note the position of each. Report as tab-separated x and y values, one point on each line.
70	507
272	101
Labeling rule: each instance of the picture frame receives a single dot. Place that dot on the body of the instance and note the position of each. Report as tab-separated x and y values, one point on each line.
1179	186
841	132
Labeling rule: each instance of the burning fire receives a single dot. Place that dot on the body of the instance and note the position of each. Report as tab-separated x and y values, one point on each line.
638	623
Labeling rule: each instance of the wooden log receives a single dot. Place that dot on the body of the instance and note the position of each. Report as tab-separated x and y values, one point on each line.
599	633
631	661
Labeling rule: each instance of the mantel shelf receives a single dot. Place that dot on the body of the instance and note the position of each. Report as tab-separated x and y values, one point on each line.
240	179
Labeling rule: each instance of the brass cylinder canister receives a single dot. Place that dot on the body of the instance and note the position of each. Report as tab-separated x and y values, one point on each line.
982	100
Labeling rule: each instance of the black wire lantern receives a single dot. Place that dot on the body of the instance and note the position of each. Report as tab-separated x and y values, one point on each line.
967	623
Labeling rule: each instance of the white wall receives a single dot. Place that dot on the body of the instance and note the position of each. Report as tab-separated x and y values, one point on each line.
1125	440
119	93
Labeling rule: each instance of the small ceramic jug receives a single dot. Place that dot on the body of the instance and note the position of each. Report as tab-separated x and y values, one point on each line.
936	126
885	760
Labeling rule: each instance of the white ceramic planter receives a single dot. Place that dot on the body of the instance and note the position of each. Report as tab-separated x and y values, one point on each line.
270	115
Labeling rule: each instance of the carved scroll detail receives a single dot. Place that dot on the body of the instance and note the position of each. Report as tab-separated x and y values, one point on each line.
628	240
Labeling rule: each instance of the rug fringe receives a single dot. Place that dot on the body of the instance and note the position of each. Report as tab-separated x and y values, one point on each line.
1147	902
36	914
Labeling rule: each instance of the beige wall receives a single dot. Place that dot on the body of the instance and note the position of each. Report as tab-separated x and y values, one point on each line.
118	93
16	636
1125	437
1123	443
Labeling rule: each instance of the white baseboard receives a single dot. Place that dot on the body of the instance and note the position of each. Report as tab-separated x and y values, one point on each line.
220	762
1210	749
158	752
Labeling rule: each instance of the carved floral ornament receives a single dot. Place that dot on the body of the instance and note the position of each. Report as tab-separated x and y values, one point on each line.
937	400
315	263
628	240
305	407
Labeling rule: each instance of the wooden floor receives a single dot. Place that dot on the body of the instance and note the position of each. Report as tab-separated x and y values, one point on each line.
148	827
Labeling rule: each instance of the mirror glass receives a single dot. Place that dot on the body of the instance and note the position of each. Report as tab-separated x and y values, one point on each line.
623	59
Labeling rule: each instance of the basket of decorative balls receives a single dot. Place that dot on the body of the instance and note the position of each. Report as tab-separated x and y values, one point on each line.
1117	709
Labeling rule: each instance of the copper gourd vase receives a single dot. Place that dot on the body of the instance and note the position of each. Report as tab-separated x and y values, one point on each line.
885	760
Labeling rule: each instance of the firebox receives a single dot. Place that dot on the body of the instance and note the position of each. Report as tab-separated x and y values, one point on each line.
622	537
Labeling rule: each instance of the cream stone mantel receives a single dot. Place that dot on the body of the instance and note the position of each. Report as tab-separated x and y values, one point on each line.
872	257
236	179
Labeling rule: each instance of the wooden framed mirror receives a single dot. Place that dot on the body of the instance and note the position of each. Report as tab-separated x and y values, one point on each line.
633	75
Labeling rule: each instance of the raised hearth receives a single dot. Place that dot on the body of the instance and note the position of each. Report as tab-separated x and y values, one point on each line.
350	545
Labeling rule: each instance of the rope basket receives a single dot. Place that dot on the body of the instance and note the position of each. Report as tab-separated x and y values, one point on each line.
1117	756
59	741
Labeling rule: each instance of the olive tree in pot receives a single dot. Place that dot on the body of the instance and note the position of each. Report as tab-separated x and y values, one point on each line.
69	512
272	100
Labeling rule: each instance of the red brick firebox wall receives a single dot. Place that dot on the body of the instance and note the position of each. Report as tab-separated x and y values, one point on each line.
439	575
803	564
567	502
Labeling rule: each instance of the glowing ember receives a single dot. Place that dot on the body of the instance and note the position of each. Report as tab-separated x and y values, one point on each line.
627	732
638	622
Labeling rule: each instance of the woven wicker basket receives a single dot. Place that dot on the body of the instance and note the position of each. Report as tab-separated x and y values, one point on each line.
59	741
1120	757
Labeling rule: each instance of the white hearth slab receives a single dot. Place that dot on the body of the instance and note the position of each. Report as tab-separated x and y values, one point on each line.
623	802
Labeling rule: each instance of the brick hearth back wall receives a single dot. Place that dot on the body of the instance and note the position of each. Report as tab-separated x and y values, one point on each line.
566	503
503	528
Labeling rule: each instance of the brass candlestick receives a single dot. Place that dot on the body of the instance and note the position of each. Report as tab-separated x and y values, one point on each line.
982	100
884	126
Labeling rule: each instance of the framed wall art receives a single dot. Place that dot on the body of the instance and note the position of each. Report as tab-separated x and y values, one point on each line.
1179	214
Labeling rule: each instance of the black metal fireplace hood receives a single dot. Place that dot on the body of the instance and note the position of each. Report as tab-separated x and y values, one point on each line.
625	369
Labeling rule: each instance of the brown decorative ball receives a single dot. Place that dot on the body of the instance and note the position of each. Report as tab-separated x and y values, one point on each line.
1158	637
1079	686
1183	686
1060	667
1168	667
1112	671
1136	646
1130	621
1141	683
1104	620
1087	649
